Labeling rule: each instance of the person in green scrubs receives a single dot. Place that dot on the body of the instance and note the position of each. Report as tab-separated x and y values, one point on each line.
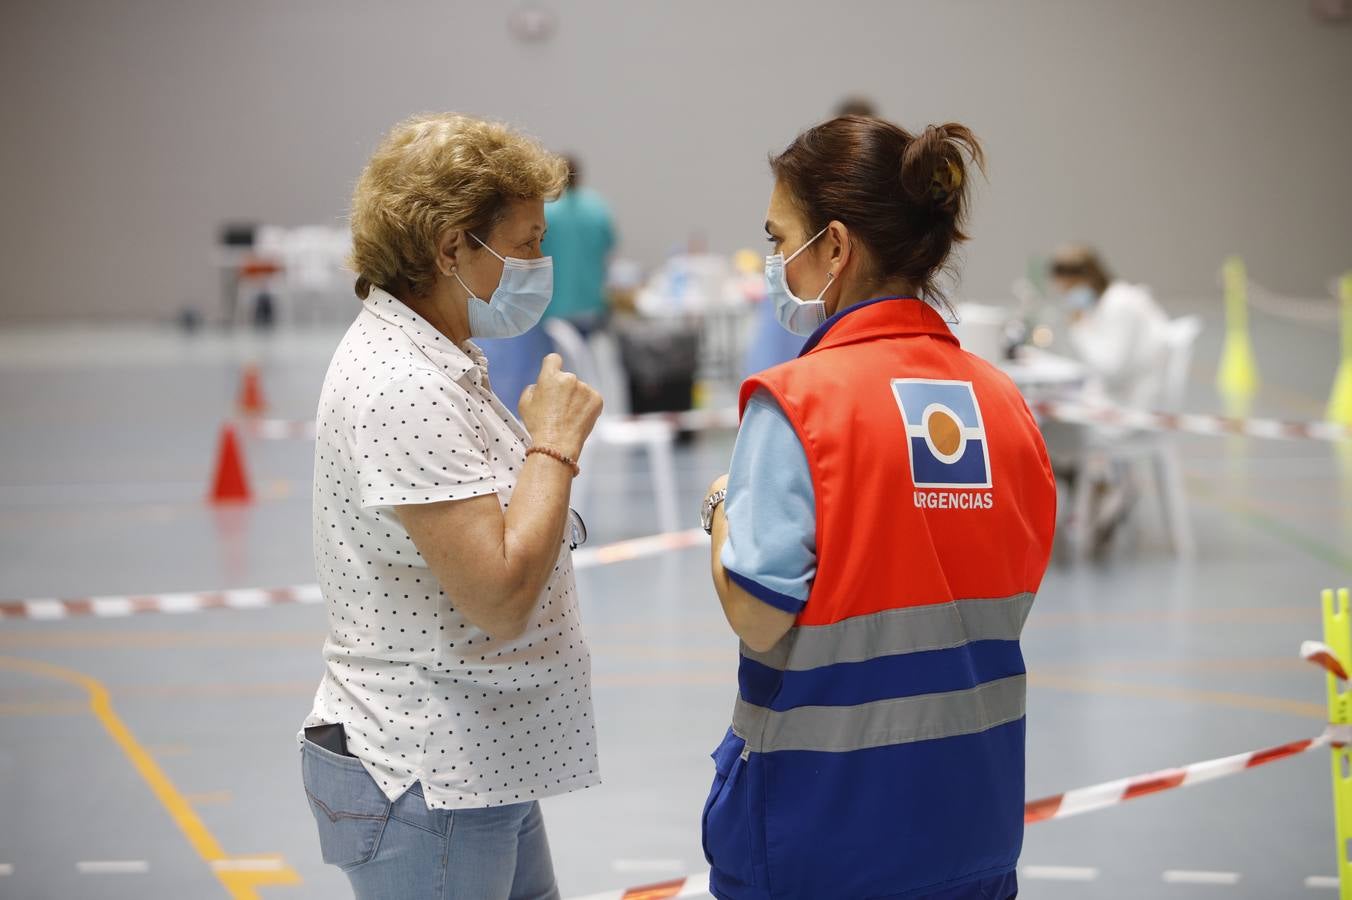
580	237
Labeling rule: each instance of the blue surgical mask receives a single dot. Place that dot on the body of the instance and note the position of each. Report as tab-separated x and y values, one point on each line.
519	302
801	317
1081	298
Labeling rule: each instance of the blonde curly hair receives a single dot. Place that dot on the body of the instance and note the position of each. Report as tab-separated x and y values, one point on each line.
432	174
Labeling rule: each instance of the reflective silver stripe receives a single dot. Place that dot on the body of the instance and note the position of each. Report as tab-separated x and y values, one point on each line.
910	630
840	729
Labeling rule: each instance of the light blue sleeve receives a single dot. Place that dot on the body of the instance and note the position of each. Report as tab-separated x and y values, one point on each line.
771	548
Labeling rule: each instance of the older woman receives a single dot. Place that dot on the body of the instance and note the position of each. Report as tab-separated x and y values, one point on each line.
456	690
876	546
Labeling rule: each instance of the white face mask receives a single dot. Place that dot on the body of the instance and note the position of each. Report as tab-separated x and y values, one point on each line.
519	302
801	317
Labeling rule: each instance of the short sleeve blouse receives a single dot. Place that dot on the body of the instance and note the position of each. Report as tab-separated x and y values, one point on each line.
405	416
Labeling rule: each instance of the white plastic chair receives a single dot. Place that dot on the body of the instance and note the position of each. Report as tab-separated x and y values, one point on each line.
612	429
609	373
269	245
314	282
1156	448
981	330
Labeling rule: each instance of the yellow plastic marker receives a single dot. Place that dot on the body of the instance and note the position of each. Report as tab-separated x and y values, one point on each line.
748	262
1340	401
1238	375
1338	637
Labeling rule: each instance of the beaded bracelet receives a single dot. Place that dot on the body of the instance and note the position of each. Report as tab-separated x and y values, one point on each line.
554	454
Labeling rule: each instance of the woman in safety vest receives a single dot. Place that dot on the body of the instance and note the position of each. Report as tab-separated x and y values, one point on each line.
877	544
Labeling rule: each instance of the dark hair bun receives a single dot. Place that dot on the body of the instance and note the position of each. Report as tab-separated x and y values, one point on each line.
934	166
847	170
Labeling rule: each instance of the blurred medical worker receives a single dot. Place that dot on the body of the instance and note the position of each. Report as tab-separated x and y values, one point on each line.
1121	336
1116	328
580	237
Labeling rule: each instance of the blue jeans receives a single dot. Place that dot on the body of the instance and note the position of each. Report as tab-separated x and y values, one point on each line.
405	851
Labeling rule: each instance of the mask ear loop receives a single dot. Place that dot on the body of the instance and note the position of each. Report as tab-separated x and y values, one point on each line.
486	247
456	274
830	278
805	246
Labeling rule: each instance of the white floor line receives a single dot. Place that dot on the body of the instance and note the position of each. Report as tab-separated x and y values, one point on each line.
1185	877
1322	882
696	886
648	865
1059	873
114	867
6	869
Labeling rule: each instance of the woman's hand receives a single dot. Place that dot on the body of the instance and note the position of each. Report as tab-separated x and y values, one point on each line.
558	410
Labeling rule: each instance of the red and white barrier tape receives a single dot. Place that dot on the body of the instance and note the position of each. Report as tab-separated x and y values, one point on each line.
117	606
1111	793
302	430
1071	803
689	886
1192	423
276	429
256	598
1100	796
622	551
1086	413
1323	656
1061	410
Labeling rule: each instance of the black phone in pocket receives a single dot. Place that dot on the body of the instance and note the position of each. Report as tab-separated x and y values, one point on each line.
330	737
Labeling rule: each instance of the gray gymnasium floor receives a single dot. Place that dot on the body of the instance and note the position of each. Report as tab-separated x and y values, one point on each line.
1136	664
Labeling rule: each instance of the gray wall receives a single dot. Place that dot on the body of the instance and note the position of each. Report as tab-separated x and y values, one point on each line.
1170	132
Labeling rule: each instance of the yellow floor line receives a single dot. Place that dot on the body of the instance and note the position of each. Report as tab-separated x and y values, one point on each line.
1227	666
1162	692
49	708
239	883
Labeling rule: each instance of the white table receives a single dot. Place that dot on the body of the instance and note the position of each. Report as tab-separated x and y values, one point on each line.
1038	370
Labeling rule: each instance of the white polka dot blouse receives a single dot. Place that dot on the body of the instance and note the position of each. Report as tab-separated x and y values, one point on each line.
406	416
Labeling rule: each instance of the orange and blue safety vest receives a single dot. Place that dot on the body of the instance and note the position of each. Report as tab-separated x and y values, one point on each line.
878	749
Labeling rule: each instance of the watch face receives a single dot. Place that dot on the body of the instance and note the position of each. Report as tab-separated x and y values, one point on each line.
577	529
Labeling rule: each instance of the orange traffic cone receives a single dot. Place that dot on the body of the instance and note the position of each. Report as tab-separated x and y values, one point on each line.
230	484
251	400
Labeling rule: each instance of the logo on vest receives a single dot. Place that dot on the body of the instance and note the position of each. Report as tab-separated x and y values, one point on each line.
946	443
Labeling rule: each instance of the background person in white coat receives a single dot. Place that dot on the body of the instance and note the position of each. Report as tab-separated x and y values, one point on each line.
1117	329
1120	334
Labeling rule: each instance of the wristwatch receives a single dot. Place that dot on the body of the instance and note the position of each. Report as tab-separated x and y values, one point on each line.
706	513
577	529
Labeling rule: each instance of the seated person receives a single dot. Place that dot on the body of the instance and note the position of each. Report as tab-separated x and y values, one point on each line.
1120	334
1117	329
